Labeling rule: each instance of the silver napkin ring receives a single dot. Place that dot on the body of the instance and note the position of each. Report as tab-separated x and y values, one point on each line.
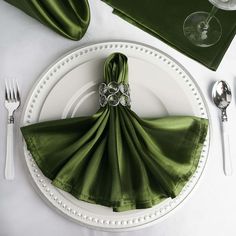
114	94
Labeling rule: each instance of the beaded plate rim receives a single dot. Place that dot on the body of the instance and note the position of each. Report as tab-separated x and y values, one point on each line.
50	193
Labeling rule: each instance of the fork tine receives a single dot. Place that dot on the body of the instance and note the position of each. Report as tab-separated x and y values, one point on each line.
11	91
17	92
7	93
14	90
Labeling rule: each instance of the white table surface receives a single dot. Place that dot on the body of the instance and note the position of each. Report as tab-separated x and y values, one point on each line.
26	49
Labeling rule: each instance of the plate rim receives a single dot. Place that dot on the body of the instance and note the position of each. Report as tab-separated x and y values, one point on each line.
104	228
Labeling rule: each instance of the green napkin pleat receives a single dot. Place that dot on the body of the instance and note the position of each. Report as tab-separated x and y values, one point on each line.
69	18
164	19
115	158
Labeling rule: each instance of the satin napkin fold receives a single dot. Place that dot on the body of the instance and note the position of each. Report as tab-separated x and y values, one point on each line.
115	158
164	19
69	18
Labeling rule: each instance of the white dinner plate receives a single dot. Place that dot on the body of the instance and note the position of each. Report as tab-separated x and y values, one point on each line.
159	87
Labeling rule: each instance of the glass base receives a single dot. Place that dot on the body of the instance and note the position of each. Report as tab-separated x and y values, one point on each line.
199	33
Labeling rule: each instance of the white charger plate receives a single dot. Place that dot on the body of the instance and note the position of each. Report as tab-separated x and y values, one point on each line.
159	87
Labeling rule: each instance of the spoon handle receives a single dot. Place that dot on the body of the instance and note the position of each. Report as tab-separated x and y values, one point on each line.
226	150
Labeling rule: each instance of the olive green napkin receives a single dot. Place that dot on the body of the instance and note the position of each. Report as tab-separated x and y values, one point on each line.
164	19
69	18
114	157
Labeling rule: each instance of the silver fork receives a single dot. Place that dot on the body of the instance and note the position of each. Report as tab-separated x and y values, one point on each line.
12	102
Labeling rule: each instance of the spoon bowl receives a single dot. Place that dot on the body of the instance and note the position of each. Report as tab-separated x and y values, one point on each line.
221	94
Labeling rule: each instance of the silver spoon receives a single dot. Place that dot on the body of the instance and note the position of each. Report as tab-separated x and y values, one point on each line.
221	94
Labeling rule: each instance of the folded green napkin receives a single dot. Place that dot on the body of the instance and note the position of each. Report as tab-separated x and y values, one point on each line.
114	157
69	18
164	19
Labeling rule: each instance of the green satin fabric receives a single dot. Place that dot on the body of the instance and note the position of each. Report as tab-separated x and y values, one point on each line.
164	19
114	157
69	18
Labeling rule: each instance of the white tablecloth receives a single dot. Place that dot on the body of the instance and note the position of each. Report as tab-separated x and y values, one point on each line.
26	49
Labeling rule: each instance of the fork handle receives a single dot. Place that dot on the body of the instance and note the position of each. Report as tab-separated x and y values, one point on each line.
9	167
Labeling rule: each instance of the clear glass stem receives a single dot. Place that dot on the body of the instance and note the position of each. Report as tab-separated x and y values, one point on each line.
211	14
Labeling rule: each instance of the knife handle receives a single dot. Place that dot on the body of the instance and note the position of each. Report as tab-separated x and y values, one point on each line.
226	150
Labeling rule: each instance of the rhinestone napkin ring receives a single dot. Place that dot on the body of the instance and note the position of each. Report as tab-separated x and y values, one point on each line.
114	94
